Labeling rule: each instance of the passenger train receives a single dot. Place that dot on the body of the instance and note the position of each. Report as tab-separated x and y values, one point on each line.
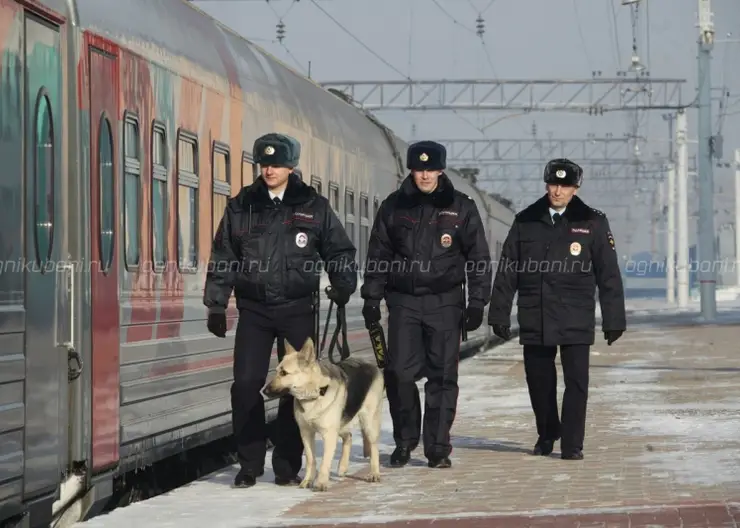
126	125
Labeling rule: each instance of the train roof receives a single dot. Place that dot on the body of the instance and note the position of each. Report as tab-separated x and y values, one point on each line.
182	38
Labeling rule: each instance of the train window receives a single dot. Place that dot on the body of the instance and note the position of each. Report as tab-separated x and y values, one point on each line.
107	192
159	195
334	197
349	214
316	183
131	187
221	187
43	177
249	170
187	201
364	207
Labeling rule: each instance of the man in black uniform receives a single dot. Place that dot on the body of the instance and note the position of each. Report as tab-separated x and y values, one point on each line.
557	252
425	239
268	248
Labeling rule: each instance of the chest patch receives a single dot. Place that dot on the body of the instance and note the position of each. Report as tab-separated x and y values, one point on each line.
446	240
301	239
583	230
575	249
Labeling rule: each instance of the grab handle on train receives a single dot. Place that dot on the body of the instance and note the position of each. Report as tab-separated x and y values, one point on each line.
66	330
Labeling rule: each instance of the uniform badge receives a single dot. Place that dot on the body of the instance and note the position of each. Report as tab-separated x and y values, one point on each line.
446	240
575	249
301	239
560	173
611	240
424	157
269	150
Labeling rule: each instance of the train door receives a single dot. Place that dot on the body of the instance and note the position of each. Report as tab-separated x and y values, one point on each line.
103	83
46	362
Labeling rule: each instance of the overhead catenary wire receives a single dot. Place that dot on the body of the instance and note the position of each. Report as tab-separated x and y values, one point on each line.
376	55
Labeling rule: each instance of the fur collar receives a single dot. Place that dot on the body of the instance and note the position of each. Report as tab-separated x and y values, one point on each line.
410	196
577	211
296	193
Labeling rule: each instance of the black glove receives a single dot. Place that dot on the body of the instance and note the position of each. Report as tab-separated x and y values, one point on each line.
339	297
371	313
217	323
473	318
502	331
612	335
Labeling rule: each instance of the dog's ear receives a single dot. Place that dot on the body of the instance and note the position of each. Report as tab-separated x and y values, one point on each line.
289	348
308	351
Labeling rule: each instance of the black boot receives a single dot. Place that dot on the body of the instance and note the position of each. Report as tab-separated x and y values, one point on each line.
543	447
572	454
246	479
284	481
440	463
400	456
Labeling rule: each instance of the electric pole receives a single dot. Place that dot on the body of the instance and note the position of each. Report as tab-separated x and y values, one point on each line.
671	235
682	210
737	215
706	242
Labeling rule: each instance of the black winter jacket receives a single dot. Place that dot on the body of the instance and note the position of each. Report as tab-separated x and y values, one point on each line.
272	253
423	244
556	271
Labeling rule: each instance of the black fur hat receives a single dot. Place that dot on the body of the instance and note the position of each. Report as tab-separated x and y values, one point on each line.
562	171
426	155
278	150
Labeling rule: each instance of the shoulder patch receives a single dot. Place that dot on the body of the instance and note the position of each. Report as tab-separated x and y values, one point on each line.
610	238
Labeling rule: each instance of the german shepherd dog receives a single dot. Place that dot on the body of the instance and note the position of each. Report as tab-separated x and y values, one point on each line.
330	400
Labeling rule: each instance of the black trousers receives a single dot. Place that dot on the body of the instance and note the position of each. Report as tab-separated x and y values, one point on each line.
423	341
255	334
541	374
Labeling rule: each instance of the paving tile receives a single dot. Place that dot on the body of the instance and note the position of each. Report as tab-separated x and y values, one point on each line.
662	431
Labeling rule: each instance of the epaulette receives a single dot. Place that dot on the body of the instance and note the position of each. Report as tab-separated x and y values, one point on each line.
600	213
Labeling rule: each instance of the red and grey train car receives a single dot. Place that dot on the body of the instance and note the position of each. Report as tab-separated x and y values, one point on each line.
124	128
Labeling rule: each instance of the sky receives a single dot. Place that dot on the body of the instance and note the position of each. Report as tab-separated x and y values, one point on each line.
381	40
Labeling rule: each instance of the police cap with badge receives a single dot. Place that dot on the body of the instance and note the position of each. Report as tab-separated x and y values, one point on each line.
562	171
426	155
277	150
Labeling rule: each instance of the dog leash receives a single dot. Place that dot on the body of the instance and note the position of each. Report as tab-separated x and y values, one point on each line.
341	326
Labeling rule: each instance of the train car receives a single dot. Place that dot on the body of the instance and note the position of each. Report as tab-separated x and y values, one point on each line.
126	126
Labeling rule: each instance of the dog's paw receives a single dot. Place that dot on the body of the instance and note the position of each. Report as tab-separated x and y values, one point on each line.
321	485
342	470
305	483
373	477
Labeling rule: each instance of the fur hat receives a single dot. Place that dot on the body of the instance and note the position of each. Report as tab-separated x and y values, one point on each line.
562	171
277	149
426	155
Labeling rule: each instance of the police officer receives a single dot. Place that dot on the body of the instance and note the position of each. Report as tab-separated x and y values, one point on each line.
268	248
557	252
425	239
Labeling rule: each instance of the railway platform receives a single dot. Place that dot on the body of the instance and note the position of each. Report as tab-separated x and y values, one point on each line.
662	449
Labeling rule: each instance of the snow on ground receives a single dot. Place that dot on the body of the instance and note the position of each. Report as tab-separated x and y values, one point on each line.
684	400
211	501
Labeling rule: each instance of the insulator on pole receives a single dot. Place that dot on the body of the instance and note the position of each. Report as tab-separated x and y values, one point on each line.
280	31
480	26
